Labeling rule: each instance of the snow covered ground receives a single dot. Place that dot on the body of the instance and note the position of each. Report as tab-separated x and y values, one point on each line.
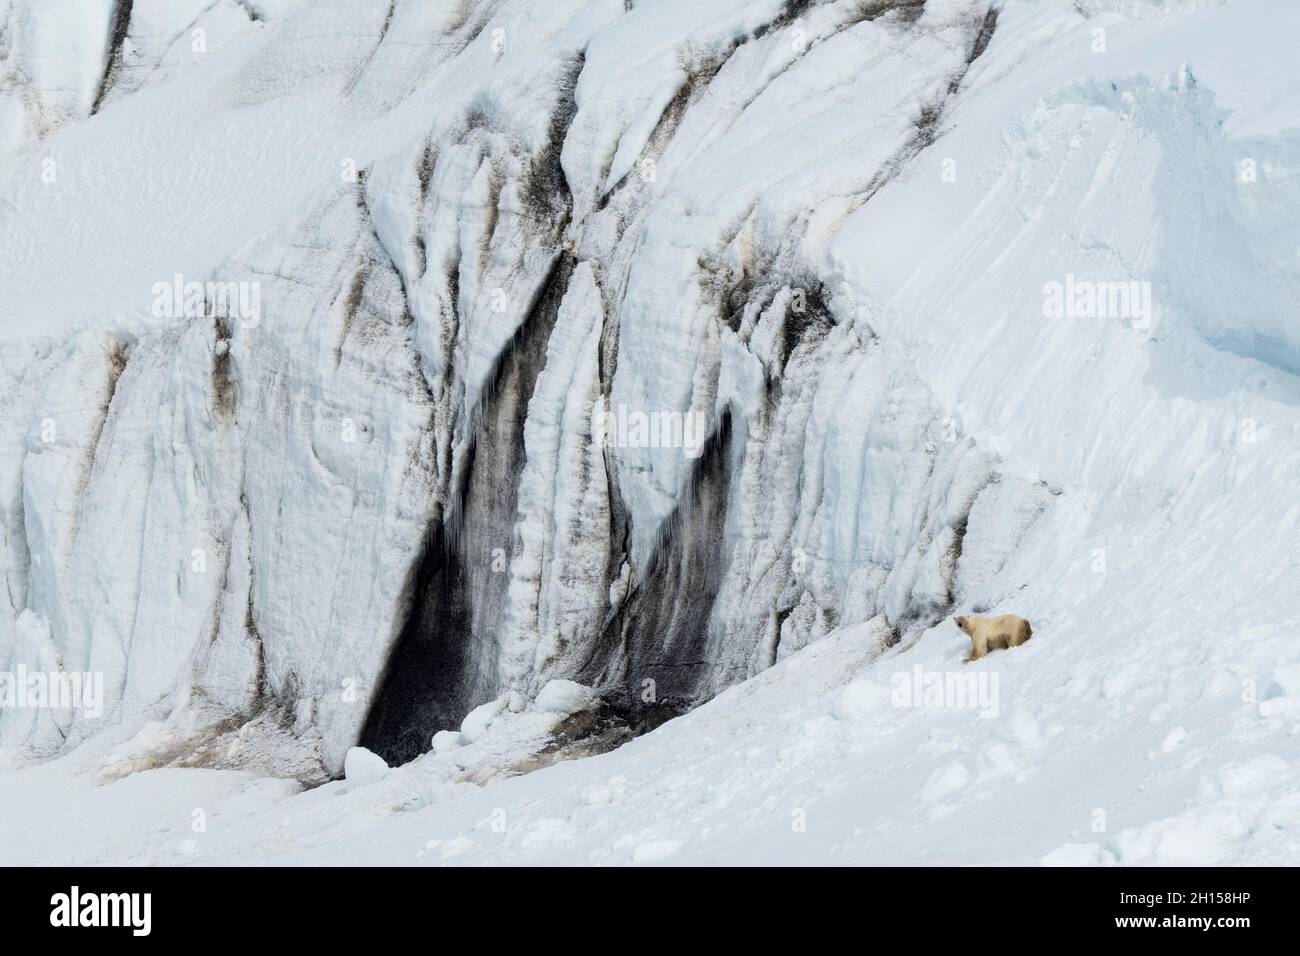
827	758
983	308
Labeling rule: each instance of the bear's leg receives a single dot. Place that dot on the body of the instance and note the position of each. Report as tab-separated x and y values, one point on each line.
979	648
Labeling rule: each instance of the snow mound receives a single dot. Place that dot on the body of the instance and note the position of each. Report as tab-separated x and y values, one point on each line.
362	768
565	697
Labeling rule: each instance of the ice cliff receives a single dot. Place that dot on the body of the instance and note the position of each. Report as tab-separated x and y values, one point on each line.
371	494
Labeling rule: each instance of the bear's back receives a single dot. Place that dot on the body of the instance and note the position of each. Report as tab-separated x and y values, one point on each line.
1012	625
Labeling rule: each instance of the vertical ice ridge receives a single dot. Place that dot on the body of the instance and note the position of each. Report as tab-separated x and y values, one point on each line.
117	32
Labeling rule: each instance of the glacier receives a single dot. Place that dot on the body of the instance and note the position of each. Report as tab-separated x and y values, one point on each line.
372	523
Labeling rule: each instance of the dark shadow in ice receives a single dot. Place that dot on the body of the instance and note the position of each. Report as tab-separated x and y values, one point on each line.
445	661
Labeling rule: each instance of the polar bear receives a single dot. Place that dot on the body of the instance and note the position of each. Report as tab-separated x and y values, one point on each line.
993	633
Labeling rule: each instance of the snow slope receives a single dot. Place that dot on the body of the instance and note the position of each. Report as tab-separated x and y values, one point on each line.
378	509
817	760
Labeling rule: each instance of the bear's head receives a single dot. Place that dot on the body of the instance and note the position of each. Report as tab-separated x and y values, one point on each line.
962	623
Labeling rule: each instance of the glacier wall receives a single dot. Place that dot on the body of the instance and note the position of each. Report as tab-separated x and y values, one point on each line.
475	228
